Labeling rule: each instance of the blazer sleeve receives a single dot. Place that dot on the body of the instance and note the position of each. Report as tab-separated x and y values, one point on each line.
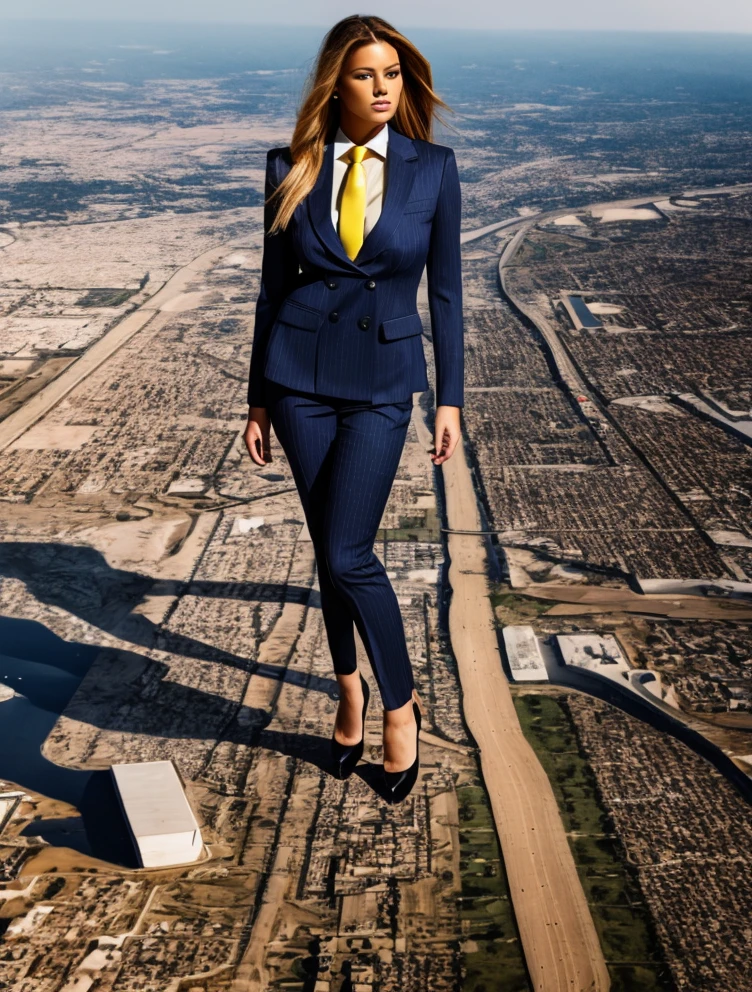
279	267
444	275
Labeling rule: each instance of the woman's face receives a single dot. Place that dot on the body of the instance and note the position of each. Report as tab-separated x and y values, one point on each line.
370	84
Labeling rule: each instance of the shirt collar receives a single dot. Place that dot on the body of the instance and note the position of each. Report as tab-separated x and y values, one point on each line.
377	144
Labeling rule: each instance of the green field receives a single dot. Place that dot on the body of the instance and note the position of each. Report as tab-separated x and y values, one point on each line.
523	607
492	958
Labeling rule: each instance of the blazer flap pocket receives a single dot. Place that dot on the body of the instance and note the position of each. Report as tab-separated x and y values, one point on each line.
299	315
413	206
402	327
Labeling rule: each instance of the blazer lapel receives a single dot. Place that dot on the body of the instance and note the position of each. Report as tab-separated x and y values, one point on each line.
320	209
401	159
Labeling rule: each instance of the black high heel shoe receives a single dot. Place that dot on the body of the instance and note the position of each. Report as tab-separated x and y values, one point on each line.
346	756
400	784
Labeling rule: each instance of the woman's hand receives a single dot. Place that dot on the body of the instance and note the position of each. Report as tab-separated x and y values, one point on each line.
256	435
446	433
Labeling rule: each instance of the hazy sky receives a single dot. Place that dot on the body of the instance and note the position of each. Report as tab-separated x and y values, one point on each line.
629	15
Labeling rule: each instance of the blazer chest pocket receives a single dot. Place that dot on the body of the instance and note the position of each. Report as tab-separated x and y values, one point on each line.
402	327
418	206
299	315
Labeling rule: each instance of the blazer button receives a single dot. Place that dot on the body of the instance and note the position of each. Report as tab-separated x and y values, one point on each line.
370	284
334	316
331	283
364	323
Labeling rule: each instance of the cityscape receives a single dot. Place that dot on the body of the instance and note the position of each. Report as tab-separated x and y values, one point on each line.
575	582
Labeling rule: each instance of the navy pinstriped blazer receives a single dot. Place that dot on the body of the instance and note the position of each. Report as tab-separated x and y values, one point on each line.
350	328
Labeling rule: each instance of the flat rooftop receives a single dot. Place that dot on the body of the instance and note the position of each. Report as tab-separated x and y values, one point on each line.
524	654
158	812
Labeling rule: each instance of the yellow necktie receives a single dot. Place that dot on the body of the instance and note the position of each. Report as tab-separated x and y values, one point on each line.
352	211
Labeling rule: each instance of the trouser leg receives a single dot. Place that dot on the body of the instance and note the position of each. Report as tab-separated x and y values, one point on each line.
365	459
306	428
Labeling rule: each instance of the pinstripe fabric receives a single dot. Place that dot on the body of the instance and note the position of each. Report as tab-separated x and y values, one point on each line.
310	333
344	456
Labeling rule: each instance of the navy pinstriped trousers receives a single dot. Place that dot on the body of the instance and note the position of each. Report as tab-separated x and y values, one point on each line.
344	455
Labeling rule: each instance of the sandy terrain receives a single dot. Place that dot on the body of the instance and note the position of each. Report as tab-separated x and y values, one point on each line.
572	599
568	220
596	307
633	213
20	421
81	257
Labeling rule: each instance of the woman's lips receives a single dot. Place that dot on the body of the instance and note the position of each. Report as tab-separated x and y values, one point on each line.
381	105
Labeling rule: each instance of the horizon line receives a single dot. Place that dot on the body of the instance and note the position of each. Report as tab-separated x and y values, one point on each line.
406	27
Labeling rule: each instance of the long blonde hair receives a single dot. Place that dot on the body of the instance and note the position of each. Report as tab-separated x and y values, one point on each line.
318	117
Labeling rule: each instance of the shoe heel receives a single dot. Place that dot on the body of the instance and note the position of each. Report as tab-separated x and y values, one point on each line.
346	756
417	702
399	784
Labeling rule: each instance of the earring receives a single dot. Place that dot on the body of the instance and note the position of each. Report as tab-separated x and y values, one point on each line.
335	96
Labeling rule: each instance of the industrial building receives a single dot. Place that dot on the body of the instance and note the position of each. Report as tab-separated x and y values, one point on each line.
580	314
524	654
594	652
159	816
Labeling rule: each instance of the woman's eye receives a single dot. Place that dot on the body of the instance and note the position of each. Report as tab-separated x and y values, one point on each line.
366	75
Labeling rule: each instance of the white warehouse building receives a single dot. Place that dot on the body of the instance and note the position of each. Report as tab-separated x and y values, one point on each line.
159	815
524	654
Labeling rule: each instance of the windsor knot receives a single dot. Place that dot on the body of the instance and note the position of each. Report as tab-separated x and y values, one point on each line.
357	153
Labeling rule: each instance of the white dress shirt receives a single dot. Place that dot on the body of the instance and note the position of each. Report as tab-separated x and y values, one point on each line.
375	166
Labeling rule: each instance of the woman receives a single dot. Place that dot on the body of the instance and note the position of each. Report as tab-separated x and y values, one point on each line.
356	207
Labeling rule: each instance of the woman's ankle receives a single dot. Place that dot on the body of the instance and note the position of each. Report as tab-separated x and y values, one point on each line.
350	686
402	716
